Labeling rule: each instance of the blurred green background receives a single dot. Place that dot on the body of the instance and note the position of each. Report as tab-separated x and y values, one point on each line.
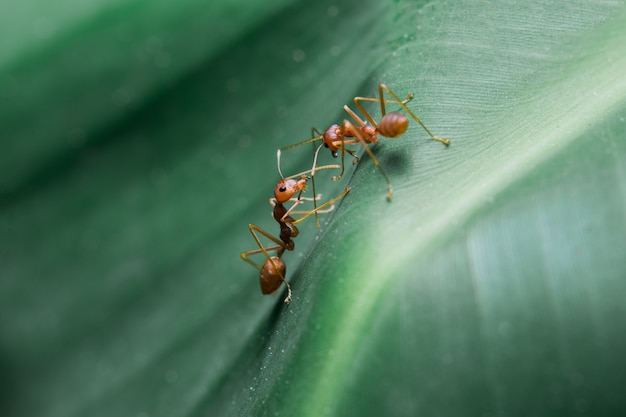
138	141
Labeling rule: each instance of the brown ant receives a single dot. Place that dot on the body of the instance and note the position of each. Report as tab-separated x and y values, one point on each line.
273	270
391	125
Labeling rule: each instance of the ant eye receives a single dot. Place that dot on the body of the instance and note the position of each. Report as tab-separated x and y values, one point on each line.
334	154
282	189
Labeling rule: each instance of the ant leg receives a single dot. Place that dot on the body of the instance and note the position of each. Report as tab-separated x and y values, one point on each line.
323	206
343	149
279	151
408	98
315	133
357	118
319	196
309	171
354	161
316	198
273	199
287	299
272	202
262	249
313	169
382	87
343	156
382	102
295	204
371	154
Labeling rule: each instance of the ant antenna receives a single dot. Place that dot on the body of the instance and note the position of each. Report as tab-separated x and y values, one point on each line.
278	163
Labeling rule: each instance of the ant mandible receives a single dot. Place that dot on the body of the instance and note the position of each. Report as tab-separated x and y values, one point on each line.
273	270
391	125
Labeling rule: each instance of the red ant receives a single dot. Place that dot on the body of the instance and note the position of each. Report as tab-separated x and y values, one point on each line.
391	125
273	270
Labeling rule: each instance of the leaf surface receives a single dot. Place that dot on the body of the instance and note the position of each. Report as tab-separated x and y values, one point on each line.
491	284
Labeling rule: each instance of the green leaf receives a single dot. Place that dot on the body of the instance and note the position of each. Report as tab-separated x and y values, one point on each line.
139	141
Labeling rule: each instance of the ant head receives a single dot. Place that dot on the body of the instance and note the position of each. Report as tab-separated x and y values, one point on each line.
332	137
272	274
287	188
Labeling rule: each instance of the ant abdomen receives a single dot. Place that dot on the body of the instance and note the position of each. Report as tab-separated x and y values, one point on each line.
393	124
272	274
